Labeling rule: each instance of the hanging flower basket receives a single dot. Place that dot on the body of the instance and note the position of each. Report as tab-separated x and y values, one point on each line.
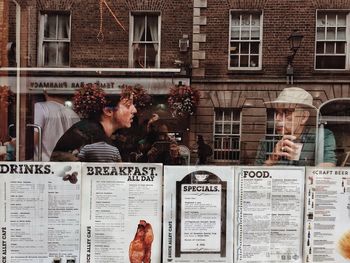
141	98
88	100
183	100
6	96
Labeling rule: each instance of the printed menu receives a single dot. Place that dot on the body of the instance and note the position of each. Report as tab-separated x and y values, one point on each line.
327	215
40	212
121	213
269	214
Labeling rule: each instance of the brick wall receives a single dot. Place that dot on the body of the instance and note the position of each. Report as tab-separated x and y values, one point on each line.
280	18
3	32
87	51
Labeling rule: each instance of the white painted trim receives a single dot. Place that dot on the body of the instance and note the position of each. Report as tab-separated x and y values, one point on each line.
99	70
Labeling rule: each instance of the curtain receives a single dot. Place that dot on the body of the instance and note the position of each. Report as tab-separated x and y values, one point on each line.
63	33
139	29
153	28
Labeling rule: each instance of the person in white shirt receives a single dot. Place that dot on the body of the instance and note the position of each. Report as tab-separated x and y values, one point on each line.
55	119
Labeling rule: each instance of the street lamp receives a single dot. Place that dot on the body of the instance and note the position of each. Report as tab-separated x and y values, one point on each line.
295	41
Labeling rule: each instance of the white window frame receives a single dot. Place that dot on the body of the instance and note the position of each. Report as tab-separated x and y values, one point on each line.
347	39
241	12
131	36
226	152
42	39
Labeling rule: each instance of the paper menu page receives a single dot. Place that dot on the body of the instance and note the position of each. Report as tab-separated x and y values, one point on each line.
269	214
327	215
40	212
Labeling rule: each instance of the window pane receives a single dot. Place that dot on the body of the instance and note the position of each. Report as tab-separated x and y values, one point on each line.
320	47
245	48
234	48
321	20
340	48
235	129
320	33
341	20
63	54
227	128
218	115
254	48
139	55
254	61
151	53
256	20
235	33
226	143
255	33
50	26
330	62
341	33
244	61
330	48
234	61
236	115
218	128
245	33
152	28
49	51
235	20
63	27
245	20
331	20
331	33
227	115
139	28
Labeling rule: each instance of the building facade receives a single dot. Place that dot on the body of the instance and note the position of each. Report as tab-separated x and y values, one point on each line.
237	53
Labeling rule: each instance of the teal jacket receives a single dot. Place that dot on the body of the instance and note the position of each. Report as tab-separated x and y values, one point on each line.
307	156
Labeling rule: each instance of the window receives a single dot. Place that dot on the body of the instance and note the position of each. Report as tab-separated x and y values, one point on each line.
145	40
271	136
227	134
245	40
332	39
54	40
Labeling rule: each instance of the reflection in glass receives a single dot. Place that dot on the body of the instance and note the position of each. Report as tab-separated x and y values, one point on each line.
244	61
330	62
50	26
331	20
254	61
245	33
340	47
330	33
321	33
49	50
235	33
63	27
341	33
321	19
255	33
320	48
330	48
244	48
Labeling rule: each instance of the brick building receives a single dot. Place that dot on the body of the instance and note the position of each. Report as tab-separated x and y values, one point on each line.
237	58
242	63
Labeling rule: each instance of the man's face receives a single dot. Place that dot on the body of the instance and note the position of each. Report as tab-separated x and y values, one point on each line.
124	114
289	121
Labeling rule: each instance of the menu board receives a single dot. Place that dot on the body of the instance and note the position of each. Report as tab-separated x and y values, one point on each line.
121	213
40	212
198	214
269	214
327	215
